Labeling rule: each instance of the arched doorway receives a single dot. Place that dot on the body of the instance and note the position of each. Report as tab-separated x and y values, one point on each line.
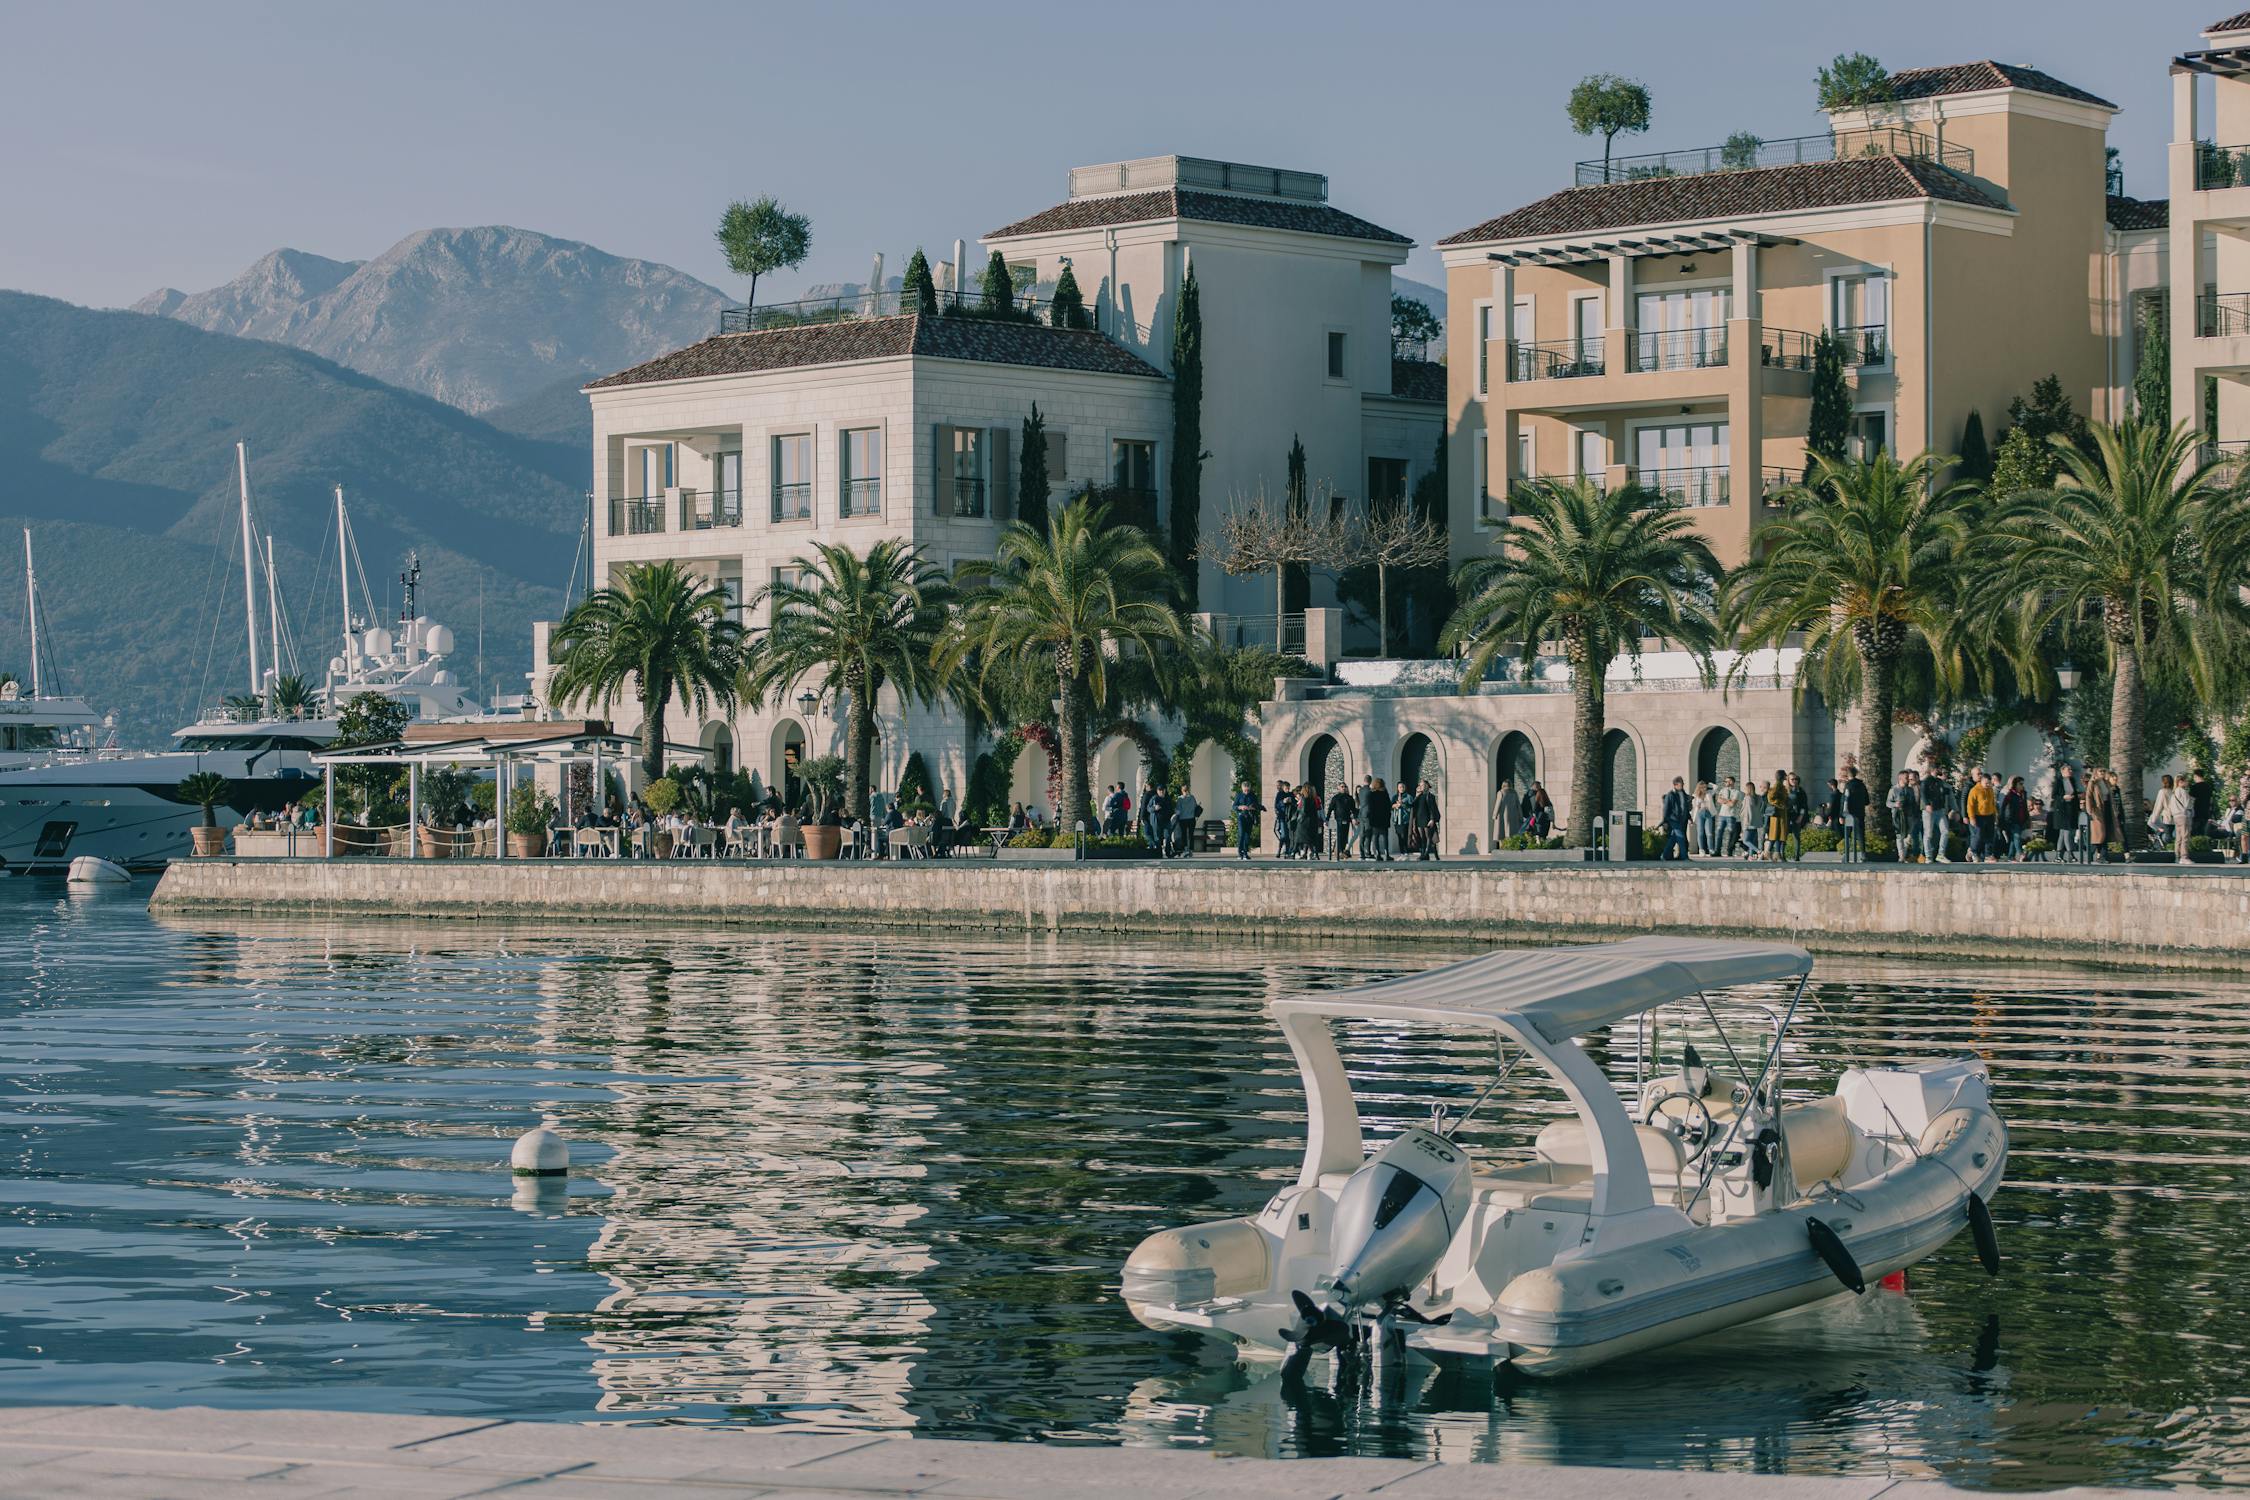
1621	772
1718	755
1417	758
1516	762
788	754
1324	764
719	740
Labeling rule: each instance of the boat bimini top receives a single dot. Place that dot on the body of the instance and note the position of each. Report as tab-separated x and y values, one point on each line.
1541	999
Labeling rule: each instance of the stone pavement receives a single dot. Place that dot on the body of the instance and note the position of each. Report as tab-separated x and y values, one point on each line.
126	1453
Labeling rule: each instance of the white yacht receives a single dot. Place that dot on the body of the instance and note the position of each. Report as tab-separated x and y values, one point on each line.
63	794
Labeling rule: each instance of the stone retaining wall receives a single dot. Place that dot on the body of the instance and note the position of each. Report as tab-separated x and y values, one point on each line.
2190	916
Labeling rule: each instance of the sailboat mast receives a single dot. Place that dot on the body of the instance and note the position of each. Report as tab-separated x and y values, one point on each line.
344	568
249	576
273	612
31	592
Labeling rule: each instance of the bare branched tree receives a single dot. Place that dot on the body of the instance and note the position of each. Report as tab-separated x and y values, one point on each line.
1257	534
1396	534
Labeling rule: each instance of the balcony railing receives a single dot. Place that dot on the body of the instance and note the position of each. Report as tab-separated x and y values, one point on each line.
1023	307
862	497
1694	487
1772	481
2221	166
2226	452
1680	349
1785	349
2220	315
1746	153
635	515
792	502
705	510
1559	359
1131	507
1869	344
967	496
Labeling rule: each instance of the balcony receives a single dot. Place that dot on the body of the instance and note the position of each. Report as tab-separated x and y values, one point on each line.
1748	153
792	502
709	510
861	497
2226	453
1678	349
1867	345
1694	488
2221	166
637	515
1559	359
2222	315
966	495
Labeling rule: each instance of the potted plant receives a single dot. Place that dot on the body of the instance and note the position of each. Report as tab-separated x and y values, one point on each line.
528	811
663	799
445	800
823	781
207	789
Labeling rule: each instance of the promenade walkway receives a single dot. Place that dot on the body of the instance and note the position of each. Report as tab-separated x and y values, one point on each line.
125	1453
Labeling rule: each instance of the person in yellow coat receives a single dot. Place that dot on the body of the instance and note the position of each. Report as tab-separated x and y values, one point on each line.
1982	808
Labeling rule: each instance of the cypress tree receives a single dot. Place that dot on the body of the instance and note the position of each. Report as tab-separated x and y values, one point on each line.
1187	431
1031	473
920	295
2152	372
1829	428
1069	305
1976	453
999	300
1296	578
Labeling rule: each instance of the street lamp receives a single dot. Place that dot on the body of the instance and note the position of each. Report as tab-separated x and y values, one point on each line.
806	703
2067	675
1058	703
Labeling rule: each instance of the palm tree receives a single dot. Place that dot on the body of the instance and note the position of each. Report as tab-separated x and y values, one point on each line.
1054	606
856	624
661	632
2142	527
1868	562
292	695
1598	570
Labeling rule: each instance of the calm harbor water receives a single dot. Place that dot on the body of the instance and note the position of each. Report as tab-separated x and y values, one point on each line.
856	1181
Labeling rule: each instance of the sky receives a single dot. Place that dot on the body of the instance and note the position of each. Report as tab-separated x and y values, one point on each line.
173	144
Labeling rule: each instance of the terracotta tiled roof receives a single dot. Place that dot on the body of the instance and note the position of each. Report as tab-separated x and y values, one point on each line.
1417	380
2139	213
987	340
2239	21
1210	208
1969	78
1731	195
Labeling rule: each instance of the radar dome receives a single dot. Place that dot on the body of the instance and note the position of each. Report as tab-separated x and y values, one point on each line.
378	642
442	678
437	640
336	666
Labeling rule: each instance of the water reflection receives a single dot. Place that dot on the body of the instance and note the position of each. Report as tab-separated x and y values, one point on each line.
854	1181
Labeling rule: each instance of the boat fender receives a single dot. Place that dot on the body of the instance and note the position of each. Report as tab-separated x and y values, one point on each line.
1829	1246
1765	1154
1980	1230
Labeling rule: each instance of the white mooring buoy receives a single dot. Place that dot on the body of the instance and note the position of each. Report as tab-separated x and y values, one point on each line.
541	1152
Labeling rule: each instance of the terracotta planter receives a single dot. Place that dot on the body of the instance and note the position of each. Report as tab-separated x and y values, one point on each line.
208	841
527	845
436	844
823	843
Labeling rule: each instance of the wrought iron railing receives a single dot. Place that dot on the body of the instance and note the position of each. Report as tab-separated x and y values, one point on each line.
1558	359
1695	487
1867	344
2221	315
861	497
2229	452
2221	166
1747	152
635	515
1785	349
967	496
1680	349
1773	481
704	510
792	502
1022	307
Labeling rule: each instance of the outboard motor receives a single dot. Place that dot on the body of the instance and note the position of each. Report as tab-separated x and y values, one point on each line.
1394	1220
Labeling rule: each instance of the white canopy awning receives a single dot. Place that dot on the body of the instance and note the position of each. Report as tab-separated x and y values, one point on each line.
1562	993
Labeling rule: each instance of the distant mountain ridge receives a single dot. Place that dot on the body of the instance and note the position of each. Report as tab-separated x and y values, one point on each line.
117	432
477	318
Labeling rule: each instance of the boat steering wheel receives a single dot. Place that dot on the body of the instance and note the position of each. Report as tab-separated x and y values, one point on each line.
1692	1126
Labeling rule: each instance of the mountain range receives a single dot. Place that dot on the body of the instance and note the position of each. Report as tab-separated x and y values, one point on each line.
478	318
117	432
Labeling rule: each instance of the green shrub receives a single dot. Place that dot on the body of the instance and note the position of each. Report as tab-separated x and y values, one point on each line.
1106	841
529	808
1652	843
1035	838
2198	846
484	796
1820	841
2037	846
1879	847
662	796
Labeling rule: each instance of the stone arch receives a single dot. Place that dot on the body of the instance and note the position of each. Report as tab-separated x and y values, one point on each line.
719	740
1516	756
790	746
1211	776
1419	758
1028	783
1720	751
1325	764
1620	771
2015	751
1120	758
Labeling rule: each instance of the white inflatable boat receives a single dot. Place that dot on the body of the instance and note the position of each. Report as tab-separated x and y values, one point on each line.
1696	1198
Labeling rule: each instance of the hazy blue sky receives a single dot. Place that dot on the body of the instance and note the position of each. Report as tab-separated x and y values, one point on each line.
171	144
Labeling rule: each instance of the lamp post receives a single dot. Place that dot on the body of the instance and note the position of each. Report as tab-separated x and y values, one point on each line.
806	703
2067	675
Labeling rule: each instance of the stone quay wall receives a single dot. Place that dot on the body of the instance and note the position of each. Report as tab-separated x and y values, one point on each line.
2190	916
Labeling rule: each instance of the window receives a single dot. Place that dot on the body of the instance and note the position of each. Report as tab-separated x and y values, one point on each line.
1386	480
1859	314
792	477
1586	327
1682	330
1688	461
1592	463
732	588
1335	355
1526	454
1484	347
726	488
1480	459
1058	457
786	578
962	458
860	492
1870	434
1520	328
1133	465
656	470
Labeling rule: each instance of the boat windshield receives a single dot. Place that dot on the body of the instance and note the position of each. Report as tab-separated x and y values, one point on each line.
260	741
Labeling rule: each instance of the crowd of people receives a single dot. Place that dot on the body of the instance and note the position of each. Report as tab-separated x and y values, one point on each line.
1371	821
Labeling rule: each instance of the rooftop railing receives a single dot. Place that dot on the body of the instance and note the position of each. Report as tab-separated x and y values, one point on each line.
1748	152
1023	307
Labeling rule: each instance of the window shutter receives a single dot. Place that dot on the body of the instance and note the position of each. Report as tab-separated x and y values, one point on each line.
941	469
1058	458
1003	487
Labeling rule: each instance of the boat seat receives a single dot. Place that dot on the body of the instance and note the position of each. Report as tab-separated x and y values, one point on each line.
1564	1143
1820	1139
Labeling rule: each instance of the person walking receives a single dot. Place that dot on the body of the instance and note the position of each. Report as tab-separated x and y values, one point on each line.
1542	818
1706	820
2168	817
1185	810
1856	800
1905	804
1309	822
1982	808
1284	820
1343	810
1800	815
1727	802
1754	820
1776	844
1375	810
1426	821
1507	813
2015	817
2064	805
1937	796
1405	832
1678	807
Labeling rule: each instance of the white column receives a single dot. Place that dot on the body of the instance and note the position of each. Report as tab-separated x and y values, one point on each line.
328	812
2184	108
1503	320
413	809
1620	292
500	807
1746	279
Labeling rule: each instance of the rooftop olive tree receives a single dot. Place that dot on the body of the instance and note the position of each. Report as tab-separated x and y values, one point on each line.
762	236
1608	105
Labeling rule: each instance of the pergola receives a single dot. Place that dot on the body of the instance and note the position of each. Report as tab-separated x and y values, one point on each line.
504	754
